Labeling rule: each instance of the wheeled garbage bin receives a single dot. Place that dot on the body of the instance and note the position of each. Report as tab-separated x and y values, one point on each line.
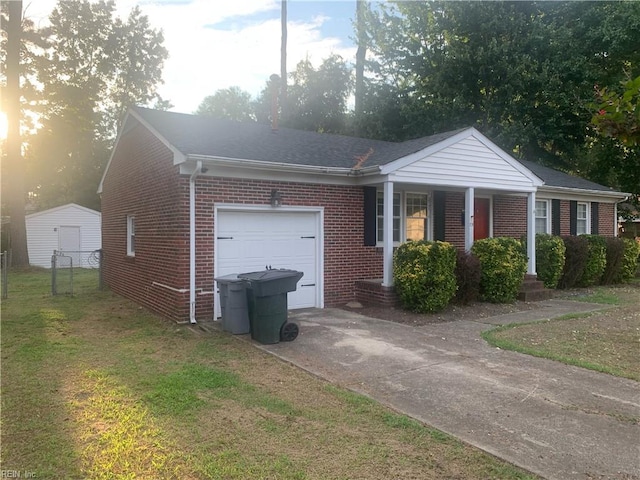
267	300
233	304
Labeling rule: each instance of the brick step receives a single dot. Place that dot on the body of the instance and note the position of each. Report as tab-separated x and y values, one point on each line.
533	290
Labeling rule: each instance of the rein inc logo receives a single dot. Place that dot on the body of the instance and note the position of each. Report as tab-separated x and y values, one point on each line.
17	474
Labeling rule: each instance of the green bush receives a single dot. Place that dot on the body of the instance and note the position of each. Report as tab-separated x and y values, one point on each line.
631	257
467	277
550	255
615	258
576	254
423	274
596	261
503	266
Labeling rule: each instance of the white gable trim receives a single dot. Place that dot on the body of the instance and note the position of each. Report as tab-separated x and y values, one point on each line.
63	207
178	156
453	162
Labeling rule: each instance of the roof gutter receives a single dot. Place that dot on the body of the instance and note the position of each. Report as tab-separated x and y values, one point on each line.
596	193
192	241
281	166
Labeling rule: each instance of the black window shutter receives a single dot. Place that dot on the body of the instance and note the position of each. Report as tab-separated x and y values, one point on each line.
439	213
370	229
555	217
573	217
594	218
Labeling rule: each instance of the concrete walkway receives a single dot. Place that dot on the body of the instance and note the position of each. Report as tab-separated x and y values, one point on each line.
558	421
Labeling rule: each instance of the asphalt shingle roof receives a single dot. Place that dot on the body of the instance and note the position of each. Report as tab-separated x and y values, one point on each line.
555	178
208	136
202	135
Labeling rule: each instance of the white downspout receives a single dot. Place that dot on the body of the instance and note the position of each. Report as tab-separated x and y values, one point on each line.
192	242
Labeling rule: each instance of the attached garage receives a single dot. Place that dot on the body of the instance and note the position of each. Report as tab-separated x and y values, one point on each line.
249	239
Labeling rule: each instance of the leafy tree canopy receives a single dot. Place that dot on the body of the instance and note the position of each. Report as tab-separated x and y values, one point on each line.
232	103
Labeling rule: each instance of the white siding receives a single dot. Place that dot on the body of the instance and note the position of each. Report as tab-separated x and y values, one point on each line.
467	163
43	229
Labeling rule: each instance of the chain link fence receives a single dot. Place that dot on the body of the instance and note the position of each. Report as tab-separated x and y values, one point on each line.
74	272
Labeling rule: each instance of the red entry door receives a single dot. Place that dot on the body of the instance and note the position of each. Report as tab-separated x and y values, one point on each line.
481	218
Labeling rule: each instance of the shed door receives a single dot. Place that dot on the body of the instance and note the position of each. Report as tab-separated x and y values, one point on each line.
69	243
248	241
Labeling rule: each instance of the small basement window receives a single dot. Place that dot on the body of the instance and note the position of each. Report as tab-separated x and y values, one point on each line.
131	235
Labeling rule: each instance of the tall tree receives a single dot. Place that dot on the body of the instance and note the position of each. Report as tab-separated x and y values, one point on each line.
97	66
283	56
14	161
232	103
361	55
317	98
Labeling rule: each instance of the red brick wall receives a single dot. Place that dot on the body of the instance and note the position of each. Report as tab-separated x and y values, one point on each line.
346	259
565	228
509	216
606	218
143	182
454	228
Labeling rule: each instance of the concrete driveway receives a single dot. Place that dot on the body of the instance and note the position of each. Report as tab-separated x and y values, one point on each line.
558	421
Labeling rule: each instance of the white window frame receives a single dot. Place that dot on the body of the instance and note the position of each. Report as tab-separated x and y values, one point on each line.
547	217
131	235
401	197
586	219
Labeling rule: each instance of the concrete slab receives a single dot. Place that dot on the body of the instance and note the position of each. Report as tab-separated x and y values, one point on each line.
558	421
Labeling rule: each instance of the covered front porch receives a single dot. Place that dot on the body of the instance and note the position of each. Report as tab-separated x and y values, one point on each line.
459	190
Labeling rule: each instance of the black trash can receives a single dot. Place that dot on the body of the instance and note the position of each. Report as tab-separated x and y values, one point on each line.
267	301
233	304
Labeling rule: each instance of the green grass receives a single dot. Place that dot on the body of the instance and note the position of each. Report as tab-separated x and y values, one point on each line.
605	341
95	387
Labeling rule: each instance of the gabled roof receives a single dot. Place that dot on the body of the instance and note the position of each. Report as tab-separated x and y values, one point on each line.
203	136
63	207
556	178
208	136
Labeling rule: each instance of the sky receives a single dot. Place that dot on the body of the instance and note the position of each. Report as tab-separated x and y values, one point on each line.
215	44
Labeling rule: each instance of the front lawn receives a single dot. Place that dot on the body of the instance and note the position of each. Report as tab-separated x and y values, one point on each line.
95	387
606	341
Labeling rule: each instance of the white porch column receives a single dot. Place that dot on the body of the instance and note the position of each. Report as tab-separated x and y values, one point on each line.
468	218
387	237
531	233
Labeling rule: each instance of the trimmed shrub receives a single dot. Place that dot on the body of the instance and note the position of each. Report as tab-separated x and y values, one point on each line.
550	255
467	277
503	266
631	257
596	261
615	258
576	254
424	275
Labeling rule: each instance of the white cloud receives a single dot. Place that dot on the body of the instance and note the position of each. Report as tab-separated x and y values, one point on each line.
214	45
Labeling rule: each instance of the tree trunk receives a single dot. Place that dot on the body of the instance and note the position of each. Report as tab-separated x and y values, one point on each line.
283	58
361	53
15	165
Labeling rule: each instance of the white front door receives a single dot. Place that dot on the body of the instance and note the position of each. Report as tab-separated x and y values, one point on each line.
249	241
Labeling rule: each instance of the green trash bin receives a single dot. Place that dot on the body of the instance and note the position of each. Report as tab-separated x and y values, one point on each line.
267	301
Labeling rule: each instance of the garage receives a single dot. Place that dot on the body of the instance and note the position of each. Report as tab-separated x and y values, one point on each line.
248	240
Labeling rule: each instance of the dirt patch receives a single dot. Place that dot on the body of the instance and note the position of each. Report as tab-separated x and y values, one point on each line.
451	313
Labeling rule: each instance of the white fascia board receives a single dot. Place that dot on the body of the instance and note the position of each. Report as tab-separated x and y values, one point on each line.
213	161
470	132
565	193
178	156
425	152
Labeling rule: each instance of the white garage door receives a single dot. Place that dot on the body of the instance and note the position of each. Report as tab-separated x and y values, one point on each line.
249	241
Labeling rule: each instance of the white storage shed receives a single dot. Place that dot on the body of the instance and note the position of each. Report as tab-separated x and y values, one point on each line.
70	228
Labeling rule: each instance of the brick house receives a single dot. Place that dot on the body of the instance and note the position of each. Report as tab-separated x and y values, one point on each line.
188	198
